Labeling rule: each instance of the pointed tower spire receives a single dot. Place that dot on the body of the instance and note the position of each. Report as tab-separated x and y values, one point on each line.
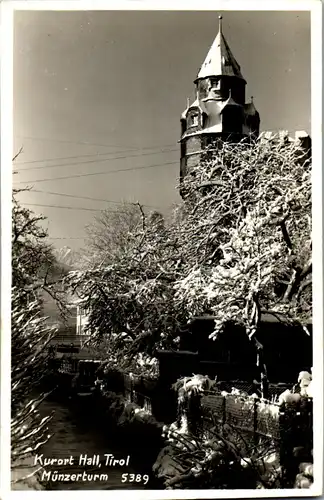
220	60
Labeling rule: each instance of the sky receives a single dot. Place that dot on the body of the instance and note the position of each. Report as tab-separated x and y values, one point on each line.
98	97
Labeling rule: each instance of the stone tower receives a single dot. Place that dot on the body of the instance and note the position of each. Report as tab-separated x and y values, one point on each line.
219	110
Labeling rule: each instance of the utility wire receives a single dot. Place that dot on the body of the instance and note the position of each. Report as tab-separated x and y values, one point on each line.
89	155
83	143
66	238
86	197
70	208
95	161
97	173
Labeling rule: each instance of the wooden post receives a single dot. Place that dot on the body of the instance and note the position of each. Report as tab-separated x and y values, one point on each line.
224	410
131	391
264	384
255	421
284	443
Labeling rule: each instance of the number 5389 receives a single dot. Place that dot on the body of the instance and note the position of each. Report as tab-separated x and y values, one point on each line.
134	478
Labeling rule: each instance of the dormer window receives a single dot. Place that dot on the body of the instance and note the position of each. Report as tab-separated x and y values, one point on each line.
194	121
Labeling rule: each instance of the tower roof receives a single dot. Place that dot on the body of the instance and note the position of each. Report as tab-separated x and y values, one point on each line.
220	60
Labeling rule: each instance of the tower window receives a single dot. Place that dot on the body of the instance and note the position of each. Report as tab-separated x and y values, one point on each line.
194	121
215	83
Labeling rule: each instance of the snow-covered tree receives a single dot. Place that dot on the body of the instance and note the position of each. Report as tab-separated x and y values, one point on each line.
131	295
35	271
239	244
248	233
111	234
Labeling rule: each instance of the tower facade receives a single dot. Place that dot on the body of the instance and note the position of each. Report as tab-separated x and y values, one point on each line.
219	110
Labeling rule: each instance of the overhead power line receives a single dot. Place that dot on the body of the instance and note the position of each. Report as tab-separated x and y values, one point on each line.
69	208
66	141
89	155
96	173
86	197
77	163
67	238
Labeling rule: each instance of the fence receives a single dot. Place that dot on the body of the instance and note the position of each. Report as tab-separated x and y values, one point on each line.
258	424
134	396
255	425
72	365
147	392
253	419
68	365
